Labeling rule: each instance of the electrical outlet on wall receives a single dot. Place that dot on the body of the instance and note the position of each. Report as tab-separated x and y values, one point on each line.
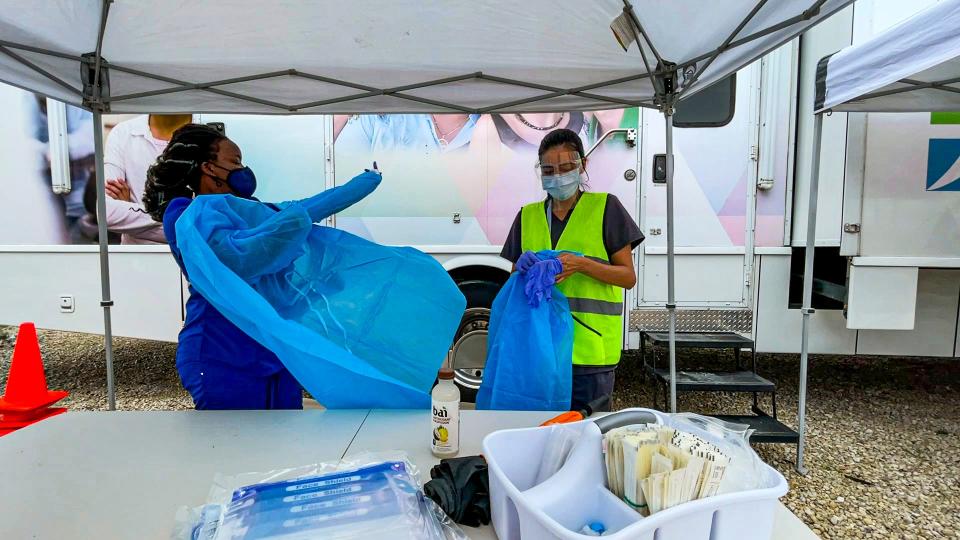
66	303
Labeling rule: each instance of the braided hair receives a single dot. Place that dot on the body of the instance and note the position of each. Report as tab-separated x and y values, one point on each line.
176	173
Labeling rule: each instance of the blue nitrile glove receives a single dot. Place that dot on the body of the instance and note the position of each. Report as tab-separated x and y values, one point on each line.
541	277
526	260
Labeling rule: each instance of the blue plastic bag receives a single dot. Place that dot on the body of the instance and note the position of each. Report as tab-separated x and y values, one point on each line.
530	343
358	324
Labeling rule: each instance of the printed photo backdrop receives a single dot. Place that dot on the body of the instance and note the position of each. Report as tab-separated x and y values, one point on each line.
461	179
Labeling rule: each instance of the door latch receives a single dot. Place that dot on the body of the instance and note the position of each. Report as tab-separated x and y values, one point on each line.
851	228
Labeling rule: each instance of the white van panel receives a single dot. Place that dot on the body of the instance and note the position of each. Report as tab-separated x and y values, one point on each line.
882	298
938	296
701	279
145	287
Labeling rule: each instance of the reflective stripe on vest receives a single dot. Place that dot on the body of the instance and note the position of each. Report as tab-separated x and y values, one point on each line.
597	307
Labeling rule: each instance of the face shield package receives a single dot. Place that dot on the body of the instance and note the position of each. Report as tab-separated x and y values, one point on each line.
370	496
358	324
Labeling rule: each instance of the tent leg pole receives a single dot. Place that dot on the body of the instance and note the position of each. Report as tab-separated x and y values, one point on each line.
106	302
807	310
671	300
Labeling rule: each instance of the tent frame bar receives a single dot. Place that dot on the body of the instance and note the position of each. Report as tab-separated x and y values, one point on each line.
916	85
96	102
723	46
5	50
937	85
809	13
638	31
671	304
807	309
98	52
369	91
628	7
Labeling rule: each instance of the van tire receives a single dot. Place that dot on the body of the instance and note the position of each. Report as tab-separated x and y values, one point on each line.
471	334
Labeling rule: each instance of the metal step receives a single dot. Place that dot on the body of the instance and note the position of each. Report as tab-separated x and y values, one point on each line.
700	340
767	429
706	381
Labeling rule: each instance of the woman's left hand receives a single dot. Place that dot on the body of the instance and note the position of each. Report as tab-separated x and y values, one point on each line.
571	265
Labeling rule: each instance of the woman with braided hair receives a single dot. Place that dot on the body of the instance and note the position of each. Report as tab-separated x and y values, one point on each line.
219	364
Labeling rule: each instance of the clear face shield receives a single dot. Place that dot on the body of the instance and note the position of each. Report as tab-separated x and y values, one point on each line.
556	164
560	174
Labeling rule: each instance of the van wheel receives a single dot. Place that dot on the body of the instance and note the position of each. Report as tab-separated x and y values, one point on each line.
470	342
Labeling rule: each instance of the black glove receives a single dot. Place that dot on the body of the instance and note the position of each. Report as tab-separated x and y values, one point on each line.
462	489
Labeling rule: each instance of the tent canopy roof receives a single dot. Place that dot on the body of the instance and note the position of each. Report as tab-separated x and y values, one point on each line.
913	66
249	56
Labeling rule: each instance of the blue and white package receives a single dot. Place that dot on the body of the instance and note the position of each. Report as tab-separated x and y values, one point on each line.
373	498
288	489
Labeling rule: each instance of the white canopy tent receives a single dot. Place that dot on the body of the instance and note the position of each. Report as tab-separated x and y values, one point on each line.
432	56
912	67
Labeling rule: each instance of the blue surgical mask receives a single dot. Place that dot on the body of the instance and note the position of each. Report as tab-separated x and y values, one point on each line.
242	181
561	186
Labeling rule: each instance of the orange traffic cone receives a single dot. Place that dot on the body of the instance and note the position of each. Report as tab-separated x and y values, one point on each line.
26	399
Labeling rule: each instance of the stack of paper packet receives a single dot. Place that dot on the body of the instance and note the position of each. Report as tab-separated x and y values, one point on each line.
652	467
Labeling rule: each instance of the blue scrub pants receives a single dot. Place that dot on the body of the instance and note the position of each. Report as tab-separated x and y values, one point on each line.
218	386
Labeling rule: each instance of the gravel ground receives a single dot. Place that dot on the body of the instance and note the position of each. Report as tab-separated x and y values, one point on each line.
883	434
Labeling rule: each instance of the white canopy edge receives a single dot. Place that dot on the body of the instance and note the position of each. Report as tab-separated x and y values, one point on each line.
240	56
913	66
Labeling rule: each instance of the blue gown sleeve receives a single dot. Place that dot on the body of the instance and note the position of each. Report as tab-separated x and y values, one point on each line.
249	251
265	248
337	199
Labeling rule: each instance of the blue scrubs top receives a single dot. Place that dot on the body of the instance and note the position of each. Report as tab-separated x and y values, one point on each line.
207	335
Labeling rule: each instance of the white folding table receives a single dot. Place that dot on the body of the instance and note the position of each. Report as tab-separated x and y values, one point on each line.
116	475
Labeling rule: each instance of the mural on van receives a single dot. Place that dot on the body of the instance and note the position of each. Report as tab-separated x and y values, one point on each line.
449	180
461	178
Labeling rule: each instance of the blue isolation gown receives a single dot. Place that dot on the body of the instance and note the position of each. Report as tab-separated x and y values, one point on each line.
355	323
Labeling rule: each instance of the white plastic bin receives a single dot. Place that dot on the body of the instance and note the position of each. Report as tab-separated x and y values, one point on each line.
577	495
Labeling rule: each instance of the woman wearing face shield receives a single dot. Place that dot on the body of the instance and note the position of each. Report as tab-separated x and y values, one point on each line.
220	365
597	226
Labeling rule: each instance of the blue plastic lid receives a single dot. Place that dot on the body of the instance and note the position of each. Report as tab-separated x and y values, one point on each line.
598	527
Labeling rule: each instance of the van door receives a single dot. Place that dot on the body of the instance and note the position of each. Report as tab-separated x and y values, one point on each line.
715	178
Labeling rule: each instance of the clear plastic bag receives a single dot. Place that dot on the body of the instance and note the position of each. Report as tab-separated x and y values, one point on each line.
562	439
746	470
364	497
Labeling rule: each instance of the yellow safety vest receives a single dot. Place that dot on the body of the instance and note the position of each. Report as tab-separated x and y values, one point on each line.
597	307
